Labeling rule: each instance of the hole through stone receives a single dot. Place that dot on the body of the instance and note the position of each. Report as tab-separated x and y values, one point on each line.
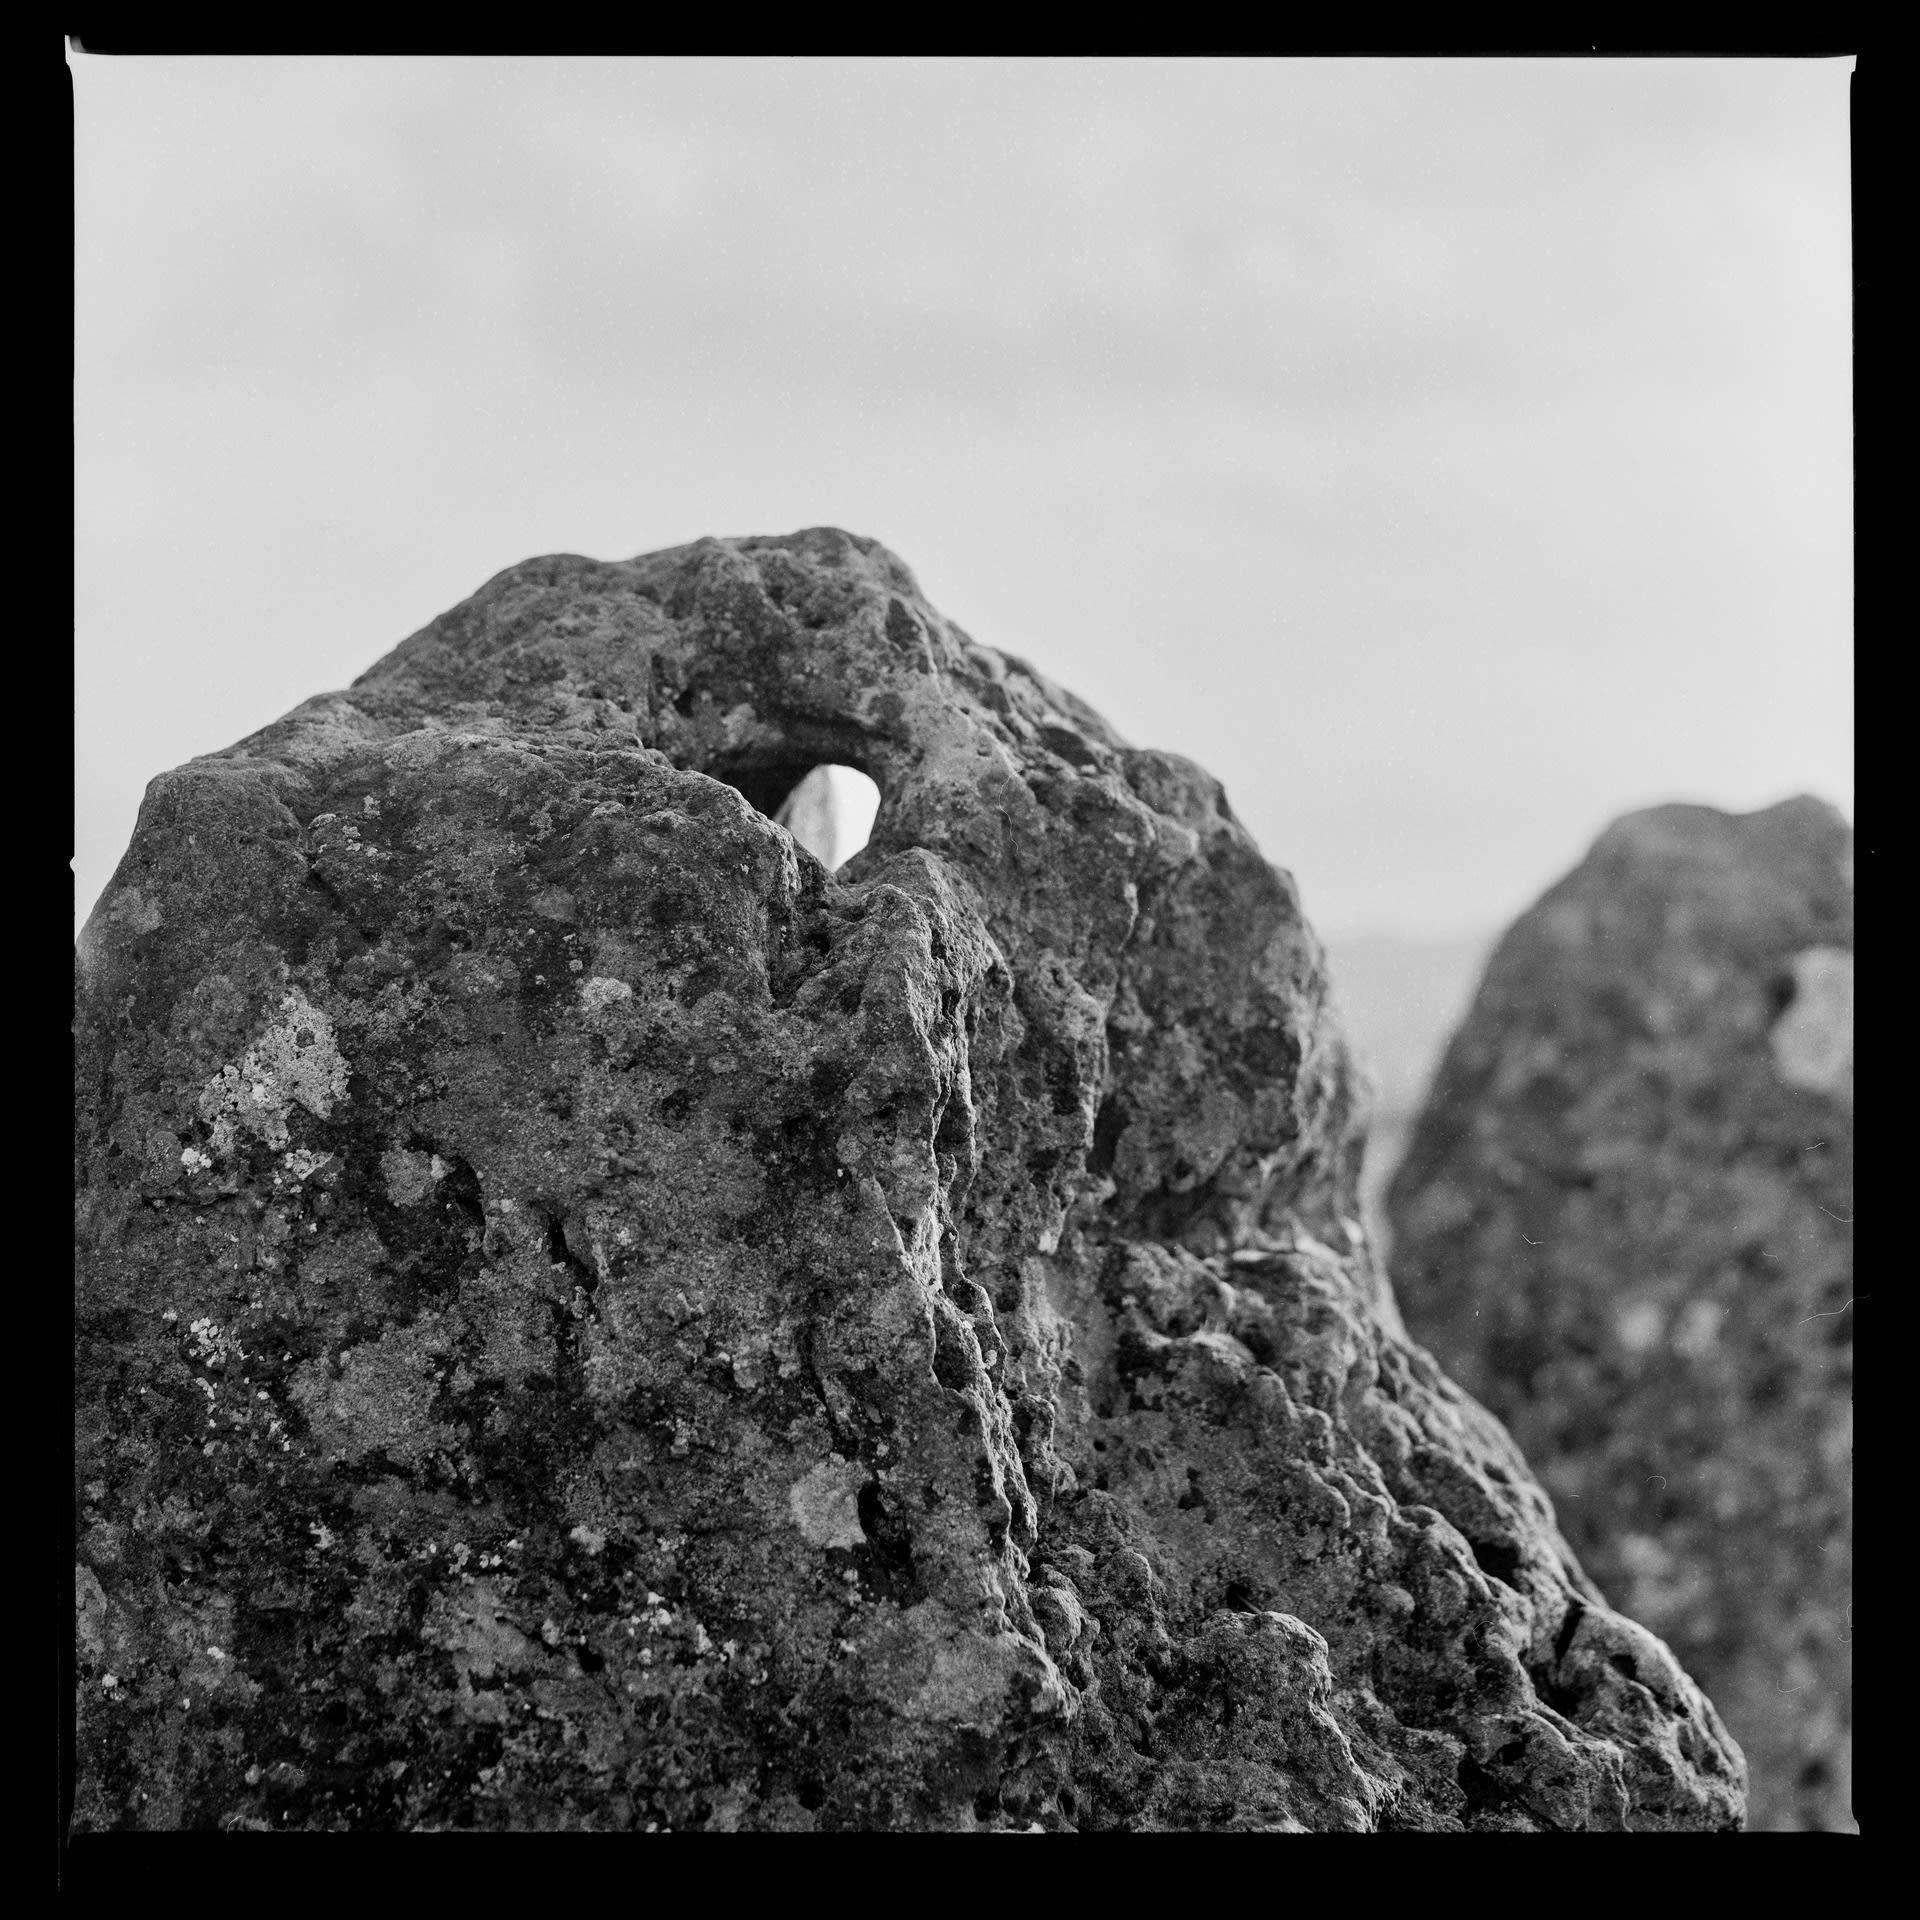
831	813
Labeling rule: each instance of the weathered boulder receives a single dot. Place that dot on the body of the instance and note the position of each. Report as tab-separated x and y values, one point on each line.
587	1320
1624	1223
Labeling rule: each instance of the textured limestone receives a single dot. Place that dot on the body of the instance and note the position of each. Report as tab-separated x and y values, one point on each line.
586	1320
1625	1224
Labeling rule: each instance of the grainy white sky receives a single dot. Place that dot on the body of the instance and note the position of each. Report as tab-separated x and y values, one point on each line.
1449	454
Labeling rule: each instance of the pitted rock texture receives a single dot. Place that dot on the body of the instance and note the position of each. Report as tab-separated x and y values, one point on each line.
1624	1222
587	1320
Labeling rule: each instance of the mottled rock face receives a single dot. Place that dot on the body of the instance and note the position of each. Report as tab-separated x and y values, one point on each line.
1625	1223
587	1320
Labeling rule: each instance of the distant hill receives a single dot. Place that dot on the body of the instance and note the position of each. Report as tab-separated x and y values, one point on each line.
1400	1000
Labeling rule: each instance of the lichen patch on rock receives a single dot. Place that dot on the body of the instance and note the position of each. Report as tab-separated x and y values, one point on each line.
1813	1040
295	1061
825	1503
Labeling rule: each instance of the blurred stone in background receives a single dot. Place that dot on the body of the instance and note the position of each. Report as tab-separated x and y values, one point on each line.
1624	1222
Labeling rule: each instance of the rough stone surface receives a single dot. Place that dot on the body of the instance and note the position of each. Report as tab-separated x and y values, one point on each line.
587	1321
1625	1223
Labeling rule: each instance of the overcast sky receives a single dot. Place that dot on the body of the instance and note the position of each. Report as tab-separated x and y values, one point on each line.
1450	455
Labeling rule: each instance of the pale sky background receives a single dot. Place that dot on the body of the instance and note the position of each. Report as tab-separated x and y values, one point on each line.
1450	455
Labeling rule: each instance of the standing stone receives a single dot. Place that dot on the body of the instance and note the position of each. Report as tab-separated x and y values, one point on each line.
1625	1223
587	1320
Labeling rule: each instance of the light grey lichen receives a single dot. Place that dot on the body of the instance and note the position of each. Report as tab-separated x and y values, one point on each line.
825	1503
296	1062
409	1176
1813	1040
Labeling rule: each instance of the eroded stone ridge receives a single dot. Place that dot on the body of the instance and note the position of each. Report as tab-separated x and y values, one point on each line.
750	1348
1624	1222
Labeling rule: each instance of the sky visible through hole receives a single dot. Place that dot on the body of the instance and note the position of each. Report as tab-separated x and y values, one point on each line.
831	813
1450	455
